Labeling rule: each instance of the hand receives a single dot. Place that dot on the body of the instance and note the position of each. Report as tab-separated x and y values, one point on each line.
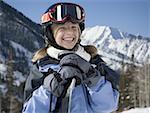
90	75
58	82
69	72
54	84
75	60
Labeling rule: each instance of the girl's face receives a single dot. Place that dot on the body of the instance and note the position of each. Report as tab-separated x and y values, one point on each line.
66	35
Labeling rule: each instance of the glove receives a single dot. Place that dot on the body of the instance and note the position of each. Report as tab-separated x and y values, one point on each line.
54	84
90	75
58	82
69	72
75	60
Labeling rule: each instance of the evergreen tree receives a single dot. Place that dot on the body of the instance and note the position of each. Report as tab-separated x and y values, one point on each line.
10	102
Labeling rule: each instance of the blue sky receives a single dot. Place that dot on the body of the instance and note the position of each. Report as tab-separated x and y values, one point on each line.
132	16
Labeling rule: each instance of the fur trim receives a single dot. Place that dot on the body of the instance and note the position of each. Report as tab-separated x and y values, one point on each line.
82	53
53	52
41	53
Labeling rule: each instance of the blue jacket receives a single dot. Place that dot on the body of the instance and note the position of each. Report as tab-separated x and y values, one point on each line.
101	98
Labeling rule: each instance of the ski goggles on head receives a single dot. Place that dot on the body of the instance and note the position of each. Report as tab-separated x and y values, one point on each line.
61	12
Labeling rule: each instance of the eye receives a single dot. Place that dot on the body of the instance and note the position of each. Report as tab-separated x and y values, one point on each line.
74	27
61	28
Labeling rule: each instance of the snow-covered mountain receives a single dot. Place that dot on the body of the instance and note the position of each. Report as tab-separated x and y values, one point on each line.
20	38
116	46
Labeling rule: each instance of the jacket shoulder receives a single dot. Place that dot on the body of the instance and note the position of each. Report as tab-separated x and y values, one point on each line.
36	77
110	74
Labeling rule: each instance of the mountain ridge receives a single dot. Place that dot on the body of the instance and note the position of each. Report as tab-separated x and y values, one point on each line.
111	41
20	38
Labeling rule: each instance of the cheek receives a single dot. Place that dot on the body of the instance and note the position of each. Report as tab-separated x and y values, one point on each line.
78	34
58	37
58	32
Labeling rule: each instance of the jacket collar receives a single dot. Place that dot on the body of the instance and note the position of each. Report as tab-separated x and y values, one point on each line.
54	52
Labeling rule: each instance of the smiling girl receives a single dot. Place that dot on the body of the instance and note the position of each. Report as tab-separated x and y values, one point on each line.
64	59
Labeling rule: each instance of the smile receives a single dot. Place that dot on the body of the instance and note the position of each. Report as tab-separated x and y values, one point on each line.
68	39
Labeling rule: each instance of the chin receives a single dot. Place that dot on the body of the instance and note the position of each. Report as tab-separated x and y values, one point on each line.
71	47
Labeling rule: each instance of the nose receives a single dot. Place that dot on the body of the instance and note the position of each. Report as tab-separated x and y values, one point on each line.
69	30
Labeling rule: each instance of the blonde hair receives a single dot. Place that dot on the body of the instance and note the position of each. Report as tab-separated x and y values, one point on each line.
92	50
41	53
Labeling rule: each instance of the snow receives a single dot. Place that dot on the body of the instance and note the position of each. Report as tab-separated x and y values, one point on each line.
116	45
3	72
19	48
138	110
19	78
36	44
3	69
2	59
3	88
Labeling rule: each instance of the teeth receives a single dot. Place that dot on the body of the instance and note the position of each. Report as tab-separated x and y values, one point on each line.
68	39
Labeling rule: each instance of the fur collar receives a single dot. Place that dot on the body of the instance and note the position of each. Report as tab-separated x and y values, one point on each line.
53	52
